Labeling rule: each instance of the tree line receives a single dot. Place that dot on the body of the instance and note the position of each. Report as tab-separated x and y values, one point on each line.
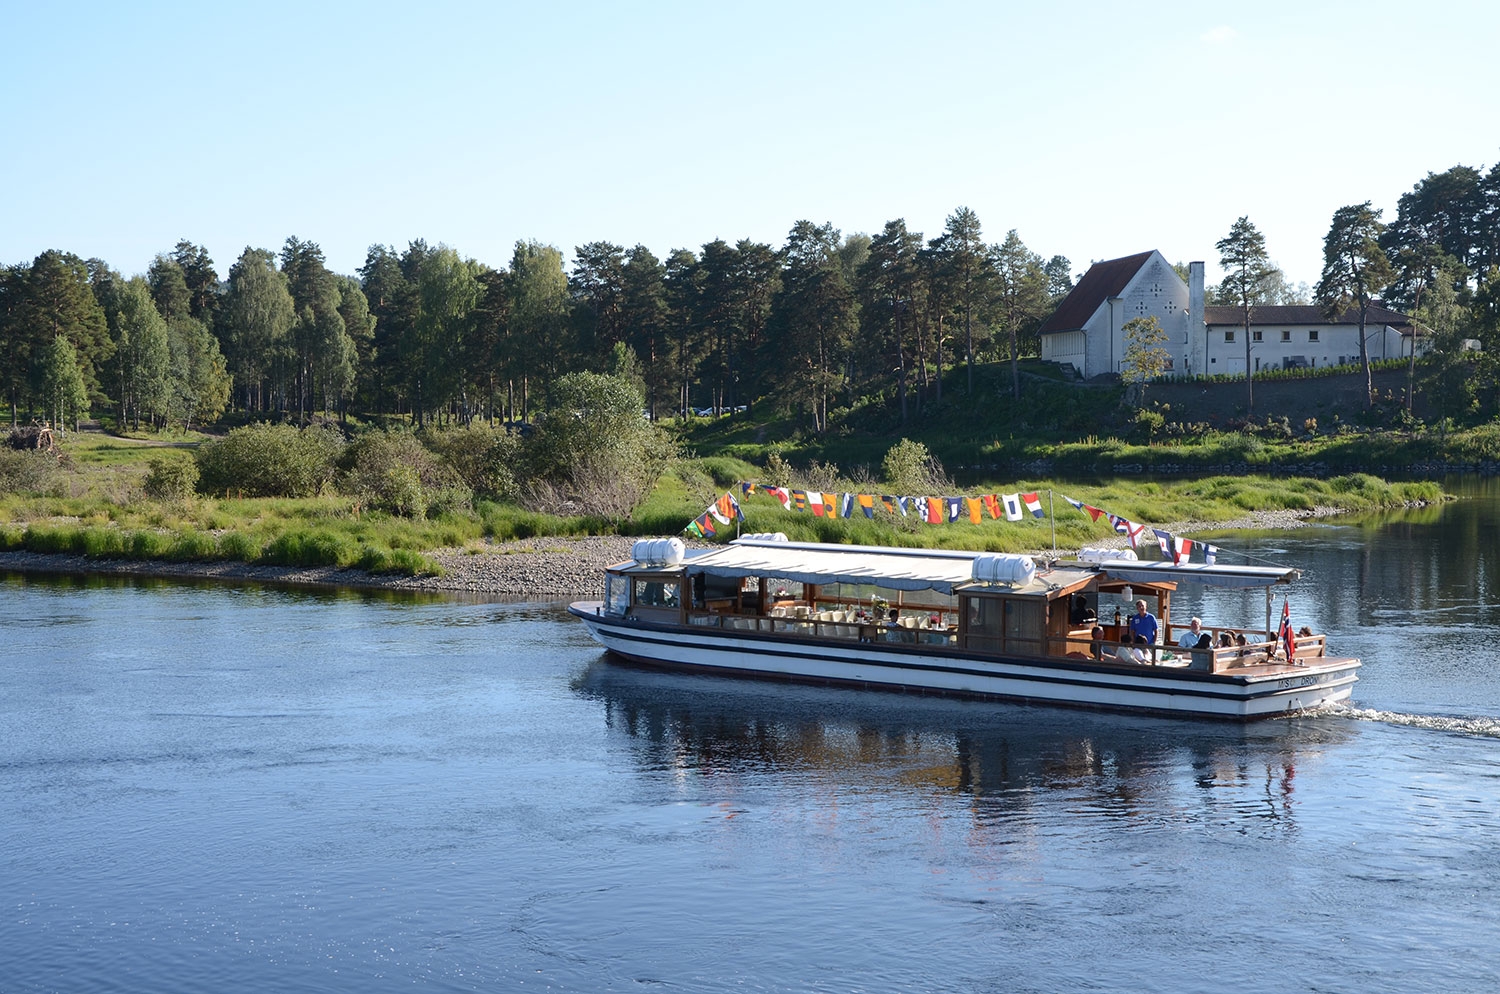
1438	261
427	333
822	321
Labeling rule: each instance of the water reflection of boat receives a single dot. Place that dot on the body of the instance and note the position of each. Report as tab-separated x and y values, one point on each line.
959	623
713	726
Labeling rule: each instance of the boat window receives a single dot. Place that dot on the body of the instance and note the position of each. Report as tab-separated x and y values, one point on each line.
655	593
784	590
616	593
1000	624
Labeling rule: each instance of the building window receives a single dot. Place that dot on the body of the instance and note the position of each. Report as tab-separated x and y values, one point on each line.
1312	336
1228	336
1256	336
1286	336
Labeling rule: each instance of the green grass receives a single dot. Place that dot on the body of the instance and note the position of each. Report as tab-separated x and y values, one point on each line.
98	511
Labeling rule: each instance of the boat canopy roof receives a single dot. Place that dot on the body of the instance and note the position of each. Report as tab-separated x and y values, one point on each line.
941	570
1213	576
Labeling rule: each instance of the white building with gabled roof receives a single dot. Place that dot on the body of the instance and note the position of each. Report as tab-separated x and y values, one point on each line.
1087	329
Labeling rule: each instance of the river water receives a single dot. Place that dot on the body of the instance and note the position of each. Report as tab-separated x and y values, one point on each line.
248	789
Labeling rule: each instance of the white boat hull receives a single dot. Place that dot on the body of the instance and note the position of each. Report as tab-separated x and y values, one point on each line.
939	669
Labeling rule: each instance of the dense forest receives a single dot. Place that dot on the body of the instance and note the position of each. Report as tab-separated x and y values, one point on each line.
818	323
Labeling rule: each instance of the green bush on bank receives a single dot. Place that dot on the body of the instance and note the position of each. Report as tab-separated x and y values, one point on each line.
395	473
263	460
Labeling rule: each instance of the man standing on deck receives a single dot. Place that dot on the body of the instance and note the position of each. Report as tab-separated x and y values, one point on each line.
1142	627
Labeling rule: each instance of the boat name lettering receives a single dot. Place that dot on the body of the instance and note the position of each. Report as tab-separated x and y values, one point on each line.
1296	681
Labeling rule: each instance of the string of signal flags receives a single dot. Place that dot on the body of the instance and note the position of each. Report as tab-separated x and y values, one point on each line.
940	510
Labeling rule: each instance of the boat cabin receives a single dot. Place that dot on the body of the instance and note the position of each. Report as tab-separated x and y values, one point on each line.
953	601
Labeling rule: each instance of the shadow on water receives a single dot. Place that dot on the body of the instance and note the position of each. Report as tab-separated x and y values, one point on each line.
995	752
291	589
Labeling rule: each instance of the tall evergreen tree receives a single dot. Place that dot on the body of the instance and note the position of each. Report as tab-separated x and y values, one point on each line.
204	292
58	299
1242	253
644	315
888	282
812	320
1021	296
1354	271
682	287
964	265
169	289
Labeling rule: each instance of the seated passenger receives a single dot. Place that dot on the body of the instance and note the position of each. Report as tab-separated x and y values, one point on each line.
1098	647
1081	613
1194	637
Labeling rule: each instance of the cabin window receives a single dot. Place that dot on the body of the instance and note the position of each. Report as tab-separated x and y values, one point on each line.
655	593
1312	336
1228	336
1256	336
1286	336
616	594
1005	624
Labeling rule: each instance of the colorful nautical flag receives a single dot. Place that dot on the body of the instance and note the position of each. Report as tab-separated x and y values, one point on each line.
1183	552
1012	504
693	530
846	505
867	504
1133	532
992	505
831	504
934	511
748	489
1210	554
815	503
974	507
1093	512
780	494
1075	503
1163	539
954	507
1033	504
1285	635
799	500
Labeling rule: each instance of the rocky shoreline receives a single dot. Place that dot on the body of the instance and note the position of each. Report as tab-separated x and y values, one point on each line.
550	568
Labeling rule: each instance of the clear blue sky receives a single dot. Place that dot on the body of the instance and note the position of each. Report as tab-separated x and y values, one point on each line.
1095	129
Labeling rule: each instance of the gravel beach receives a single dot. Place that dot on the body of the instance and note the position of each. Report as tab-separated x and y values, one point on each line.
540	567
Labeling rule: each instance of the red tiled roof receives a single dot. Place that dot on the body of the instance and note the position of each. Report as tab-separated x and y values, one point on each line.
1102	281
1288	314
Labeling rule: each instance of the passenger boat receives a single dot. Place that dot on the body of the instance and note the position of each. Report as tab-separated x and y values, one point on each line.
961	623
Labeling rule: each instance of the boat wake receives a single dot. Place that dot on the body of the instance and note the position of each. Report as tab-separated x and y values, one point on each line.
1489	727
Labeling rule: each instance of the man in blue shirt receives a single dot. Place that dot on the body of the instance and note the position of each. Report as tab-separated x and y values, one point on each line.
1142	627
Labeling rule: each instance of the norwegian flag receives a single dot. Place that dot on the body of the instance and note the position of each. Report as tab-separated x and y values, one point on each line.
1285	634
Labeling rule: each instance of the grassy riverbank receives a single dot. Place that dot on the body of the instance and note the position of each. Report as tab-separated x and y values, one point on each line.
92	504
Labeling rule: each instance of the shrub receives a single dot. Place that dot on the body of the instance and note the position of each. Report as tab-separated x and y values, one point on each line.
909	468
484	458
33	473
594	453
170	479
395	473
269	461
